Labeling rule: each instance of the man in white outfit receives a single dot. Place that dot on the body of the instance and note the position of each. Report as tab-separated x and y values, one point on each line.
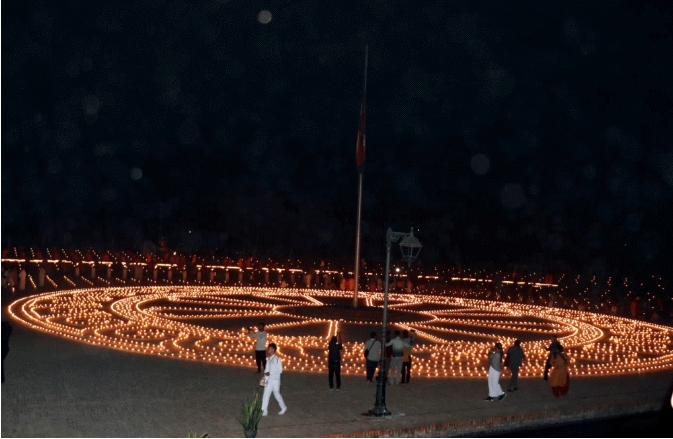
495	364
272	371
398	353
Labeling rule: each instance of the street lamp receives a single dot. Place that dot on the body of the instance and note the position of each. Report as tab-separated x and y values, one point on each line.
410	247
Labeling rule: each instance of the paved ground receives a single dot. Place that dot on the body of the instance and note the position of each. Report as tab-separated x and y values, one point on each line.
57	388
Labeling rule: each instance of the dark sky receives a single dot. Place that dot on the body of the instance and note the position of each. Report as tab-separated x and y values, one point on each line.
501	130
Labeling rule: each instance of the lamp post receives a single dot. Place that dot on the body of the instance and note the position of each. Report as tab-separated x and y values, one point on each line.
410	246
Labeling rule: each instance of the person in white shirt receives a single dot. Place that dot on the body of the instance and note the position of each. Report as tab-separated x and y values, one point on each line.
398	346
372	355
272	371
495	364
260	346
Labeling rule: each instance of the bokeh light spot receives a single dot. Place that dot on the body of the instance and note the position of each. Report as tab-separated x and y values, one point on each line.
264	16
480	164
136	174
666	166
512	196
90	105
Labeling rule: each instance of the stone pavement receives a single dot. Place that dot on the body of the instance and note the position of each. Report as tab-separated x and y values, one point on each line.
58	388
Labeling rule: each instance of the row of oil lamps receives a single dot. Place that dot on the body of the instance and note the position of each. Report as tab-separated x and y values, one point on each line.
133	325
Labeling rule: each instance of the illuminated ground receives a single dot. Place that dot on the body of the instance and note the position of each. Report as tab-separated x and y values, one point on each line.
207	324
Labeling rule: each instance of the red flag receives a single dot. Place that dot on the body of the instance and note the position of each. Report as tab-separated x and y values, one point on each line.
360	147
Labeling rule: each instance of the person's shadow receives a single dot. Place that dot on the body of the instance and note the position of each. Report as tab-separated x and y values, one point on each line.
666	413
6	332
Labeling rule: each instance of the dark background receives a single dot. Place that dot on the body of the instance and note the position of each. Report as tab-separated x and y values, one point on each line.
505	132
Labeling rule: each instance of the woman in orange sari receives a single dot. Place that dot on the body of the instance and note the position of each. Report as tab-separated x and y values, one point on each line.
559	379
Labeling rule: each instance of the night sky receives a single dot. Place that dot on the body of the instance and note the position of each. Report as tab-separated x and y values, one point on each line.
504	132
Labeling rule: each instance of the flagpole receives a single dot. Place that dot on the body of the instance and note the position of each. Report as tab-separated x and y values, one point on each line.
360	175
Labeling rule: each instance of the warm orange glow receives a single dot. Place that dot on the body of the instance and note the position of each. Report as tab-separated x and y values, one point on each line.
453	333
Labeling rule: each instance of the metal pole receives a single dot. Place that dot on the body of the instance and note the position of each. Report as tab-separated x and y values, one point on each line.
359	223
357	243
366	64
380	408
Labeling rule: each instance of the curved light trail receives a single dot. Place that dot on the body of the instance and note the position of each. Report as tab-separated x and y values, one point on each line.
208	324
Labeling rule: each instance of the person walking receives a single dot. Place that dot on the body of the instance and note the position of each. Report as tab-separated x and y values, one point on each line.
334	361
272	371
372	355
555	345
260	346
559	379
42	273
387	358
398	346
495	361
513	360
22	279
406	357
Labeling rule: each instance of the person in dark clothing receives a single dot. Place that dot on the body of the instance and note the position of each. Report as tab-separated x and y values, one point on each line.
260	346
6	332
554	346
334	361
406	358
387	358
513	361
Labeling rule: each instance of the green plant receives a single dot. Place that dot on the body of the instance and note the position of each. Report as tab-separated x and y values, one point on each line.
190	433
251	412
